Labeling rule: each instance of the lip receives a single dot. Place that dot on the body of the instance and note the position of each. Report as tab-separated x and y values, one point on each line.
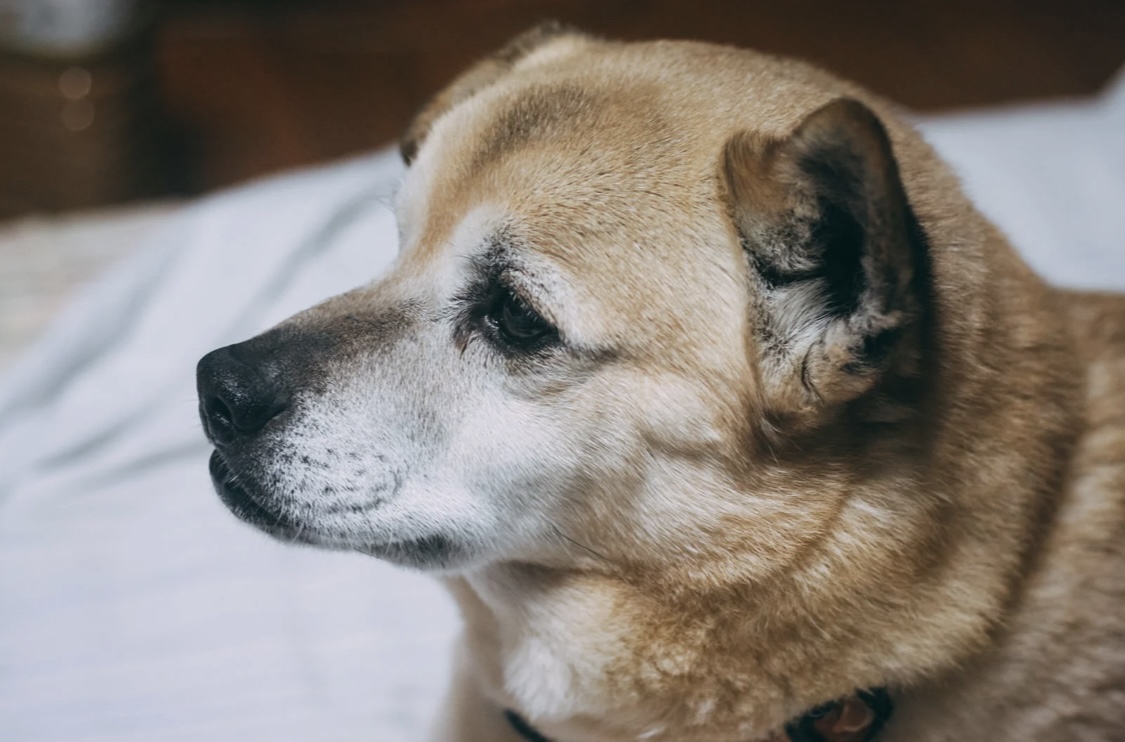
242	503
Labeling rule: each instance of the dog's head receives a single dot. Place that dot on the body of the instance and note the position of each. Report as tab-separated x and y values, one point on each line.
652	302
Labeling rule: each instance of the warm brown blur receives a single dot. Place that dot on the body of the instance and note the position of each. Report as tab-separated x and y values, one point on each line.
252	87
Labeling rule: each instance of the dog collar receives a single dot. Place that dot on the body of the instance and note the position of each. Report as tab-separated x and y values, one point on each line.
855	718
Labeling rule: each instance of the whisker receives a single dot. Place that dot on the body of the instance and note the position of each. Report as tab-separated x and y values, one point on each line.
580	545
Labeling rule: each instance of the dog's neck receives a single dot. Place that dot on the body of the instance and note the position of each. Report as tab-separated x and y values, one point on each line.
858	718
586	656
592	655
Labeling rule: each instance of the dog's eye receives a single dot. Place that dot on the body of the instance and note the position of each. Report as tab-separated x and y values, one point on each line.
519	325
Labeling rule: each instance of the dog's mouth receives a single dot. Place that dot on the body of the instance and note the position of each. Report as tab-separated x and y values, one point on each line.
434	551
241	501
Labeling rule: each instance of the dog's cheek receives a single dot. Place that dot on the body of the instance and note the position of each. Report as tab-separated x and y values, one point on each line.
519	458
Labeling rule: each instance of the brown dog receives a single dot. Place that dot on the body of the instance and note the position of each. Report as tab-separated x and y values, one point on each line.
713	399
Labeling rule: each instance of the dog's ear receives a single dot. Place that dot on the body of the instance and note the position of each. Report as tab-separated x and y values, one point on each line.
837	259
478	77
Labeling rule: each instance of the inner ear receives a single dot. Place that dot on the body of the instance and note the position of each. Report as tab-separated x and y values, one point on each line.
834	254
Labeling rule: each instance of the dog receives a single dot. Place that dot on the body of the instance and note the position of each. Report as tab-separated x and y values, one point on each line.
717	406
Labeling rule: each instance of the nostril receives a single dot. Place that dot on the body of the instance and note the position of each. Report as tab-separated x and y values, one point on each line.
217	419
249	415
218	411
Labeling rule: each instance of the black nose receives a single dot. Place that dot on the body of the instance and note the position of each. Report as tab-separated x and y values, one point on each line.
238	393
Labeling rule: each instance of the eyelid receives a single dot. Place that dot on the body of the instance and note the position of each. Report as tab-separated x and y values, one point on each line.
517	285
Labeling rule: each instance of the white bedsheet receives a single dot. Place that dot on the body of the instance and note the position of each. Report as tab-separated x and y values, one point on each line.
134	607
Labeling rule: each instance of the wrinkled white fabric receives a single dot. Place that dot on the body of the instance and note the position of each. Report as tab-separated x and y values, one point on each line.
134	607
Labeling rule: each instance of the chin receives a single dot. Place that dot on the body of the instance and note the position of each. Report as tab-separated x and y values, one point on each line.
434	553
248	505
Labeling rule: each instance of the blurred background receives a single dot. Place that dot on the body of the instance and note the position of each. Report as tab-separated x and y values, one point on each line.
105	102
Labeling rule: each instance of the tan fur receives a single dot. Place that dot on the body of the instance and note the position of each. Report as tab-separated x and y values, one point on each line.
951	524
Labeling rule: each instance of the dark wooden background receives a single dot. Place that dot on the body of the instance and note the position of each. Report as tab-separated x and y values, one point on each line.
249	87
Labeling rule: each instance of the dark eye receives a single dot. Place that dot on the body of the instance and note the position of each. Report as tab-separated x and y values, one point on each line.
518	324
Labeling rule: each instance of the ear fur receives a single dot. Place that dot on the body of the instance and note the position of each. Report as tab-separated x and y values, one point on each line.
835	255
476	78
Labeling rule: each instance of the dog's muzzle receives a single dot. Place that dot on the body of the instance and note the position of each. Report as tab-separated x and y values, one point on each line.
240	393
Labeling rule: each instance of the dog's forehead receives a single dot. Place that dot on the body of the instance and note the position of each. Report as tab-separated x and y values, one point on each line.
603	188
630	125
605	167
548	137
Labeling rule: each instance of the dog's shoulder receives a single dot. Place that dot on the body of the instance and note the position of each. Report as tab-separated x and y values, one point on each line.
1056	666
